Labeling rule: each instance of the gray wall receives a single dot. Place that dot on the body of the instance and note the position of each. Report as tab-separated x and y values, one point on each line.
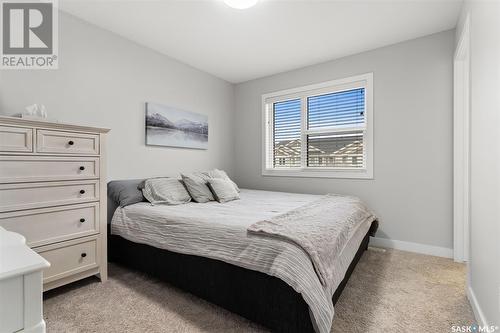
484	267
412	187
104	80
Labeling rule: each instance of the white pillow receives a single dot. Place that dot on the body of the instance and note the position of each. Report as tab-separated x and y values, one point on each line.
168	191
223	189
220	174
196	185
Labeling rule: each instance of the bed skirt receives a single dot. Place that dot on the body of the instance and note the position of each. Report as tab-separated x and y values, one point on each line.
259	297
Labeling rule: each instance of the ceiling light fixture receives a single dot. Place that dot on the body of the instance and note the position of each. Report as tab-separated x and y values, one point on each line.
240	4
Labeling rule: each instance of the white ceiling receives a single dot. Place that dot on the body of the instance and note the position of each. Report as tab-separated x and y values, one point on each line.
272	37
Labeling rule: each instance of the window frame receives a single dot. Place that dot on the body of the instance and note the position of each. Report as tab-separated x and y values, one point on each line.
359	81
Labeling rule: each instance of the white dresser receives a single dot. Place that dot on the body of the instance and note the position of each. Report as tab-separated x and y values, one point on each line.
53	192
20	285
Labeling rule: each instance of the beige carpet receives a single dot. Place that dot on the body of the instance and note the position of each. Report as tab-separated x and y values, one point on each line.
389	291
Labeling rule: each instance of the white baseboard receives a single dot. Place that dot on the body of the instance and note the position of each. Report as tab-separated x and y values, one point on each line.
478	313
412	247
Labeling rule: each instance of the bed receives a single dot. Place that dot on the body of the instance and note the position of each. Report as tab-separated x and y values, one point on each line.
206	249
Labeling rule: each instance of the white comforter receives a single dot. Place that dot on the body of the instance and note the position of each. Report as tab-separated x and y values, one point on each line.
219	231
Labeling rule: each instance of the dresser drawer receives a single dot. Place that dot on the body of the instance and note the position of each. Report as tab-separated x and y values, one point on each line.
36	195
68	258
60	142
15	169
16	139
48	225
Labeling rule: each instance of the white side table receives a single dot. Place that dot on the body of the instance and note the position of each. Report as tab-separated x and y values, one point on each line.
20	285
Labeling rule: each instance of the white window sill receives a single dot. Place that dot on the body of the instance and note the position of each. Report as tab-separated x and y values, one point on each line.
320	173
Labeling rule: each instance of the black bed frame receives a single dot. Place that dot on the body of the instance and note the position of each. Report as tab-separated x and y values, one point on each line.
259	297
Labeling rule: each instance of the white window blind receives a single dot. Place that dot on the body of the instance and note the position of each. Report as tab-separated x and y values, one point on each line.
323	128
286	134
332	114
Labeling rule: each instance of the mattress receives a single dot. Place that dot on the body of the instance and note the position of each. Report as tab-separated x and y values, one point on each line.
219	231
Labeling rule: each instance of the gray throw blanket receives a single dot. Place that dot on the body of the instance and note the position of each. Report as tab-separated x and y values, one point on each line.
322	228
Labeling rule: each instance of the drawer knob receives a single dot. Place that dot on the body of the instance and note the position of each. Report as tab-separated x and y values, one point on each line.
82	220
84	255
82	191
82	168
71	142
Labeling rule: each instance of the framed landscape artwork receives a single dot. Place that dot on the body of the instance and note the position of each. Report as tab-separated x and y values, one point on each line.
167	126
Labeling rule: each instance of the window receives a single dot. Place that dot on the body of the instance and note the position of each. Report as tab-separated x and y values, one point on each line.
322	130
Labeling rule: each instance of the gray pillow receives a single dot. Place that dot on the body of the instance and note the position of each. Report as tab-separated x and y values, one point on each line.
220	174
169	191
223	189
196	184
143	183
125	192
